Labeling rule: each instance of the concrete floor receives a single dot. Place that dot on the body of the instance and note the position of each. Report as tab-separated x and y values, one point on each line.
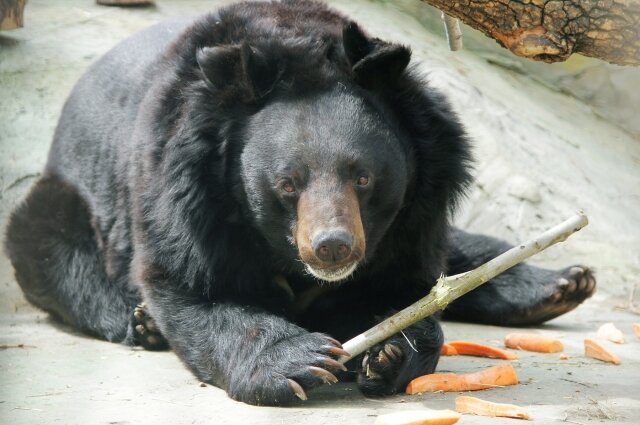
541	155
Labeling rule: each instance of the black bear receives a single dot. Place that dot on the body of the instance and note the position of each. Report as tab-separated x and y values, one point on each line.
254	186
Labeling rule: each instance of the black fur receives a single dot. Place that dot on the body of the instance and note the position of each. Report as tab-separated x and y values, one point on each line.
162	186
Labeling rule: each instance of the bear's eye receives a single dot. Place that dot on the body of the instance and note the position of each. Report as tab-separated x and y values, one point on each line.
288	187
363	180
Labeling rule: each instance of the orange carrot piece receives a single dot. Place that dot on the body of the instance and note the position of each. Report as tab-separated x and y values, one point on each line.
448	350
598	351
636	329
465	348
533	342
563	356
476	406
496	376
610	332
419	417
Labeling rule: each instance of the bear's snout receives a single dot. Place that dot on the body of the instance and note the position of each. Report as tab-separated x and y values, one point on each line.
329	232
332	246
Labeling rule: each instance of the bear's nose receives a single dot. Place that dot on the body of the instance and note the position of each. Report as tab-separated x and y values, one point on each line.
332	246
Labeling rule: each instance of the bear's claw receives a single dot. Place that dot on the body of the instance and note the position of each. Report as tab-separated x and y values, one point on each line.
334	342
392	351
326	376
336	351
297	389
331	363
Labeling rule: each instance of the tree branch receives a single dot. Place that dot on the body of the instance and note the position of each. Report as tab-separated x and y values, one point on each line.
449	288
551	30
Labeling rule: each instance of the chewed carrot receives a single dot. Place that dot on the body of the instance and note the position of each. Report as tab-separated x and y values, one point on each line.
465	348
533	342
476	406
496	376
419	417
636	329
598	351
448	350
610	332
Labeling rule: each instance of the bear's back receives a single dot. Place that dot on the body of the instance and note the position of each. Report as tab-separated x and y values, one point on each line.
102	108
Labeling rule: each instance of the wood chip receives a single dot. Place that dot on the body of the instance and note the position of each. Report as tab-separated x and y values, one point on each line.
533	342
419	417
610	332
595	350
500	375
476	406
467	348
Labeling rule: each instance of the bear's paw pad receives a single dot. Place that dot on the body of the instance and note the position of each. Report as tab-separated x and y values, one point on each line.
571	287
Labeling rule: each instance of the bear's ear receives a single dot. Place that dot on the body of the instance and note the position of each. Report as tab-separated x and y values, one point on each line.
373	61
242	67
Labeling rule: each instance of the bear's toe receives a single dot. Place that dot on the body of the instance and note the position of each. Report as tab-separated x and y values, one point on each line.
145	330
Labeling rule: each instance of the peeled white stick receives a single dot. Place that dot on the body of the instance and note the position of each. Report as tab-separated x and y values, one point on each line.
452	29
449	288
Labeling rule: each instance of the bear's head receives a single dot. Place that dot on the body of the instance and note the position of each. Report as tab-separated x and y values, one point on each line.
324	174
324	157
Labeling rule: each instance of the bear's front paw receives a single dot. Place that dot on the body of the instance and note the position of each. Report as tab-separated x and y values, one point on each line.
381	367
388	367
285	371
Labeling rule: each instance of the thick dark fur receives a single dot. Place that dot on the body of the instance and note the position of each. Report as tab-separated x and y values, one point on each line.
160	188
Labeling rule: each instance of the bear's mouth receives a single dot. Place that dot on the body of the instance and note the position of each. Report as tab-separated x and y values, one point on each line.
334	274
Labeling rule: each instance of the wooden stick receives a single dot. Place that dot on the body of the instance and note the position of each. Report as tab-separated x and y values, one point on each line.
454	35
449	288
11	14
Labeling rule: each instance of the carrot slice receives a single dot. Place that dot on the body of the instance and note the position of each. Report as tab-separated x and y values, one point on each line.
610	332
476	406
465	348
533	342
496	376
598	351
636	329
448	350
419	417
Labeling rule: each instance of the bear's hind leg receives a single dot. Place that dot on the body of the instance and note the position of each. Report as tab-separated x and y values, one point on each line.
523	295
52	246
